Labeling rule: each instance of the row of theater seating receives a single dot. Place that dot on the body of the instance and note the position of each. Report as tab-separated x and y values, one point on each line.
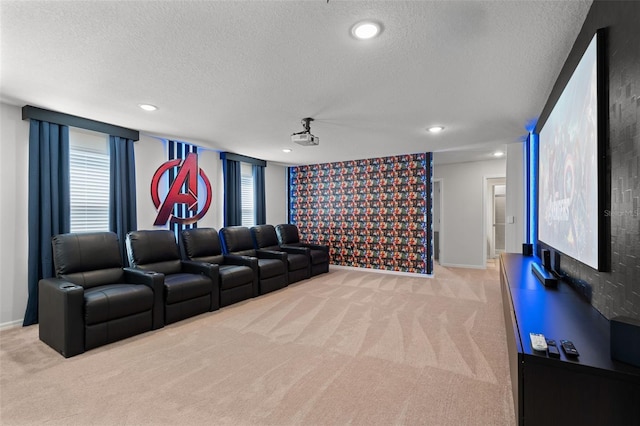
94	300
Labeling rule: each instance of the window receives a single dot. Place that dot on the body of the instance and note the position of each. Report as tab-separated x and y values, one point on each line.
89	180
247	197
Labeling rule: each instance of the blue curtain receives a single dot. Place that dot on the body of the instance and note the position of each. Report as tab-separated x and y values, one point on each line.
49	203
232	192
122	189
259	196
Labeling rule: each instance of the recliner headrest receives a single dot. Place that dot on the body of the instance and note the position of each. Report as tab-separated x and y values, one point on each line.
236	238
81	252
201	242
87	259
154	246
264	236
287	233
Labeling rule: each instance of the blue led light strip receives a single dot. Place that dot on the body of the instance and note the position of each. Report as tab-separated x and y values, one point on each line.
533	189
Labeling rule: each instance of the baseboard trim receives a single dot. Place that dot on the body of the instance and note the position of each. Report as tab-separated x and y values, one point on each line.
458	265
11	324
382	271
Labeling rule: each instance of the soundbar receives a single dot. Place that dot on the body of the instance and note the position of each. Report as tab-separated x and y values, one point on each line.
544	276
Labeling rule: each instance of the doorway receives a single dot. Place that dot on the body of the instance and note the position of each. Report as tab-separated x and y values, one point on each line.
496	215
437	219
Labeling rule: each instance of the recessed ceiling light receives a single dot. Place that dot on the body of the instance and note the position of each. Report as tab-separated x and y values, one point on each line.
365	30
148	107
435	129
498	154
287	150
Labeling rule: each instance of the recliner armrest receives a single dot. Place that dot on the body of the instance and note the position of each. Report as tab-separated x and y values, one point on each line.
155	281
295	249
211	270
270	254
231	259
61	315
316	247
193	267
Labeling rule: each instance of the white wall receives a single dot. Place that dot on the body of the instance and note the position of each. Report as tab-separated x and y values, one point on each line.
210	162
150	153
515	232
13	214
462	227
275	177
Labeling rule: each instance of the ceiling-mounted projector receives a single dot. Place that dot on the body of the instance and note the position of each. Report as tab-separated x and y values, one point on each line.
305	137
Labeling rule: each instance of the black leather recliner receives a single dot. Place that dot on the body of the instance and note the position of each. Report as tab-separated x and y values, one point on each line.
288	236
238	274
272	265
298	258
190	288
93	300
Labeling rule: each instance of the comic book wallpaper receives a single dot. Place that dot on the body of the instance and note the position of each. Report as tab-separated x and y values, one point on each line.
373	213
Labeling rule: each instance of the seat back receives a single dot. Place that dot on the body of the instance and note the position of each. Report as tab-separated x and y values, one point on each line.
155	250
202	245
87	259
264	236
237	240
287	233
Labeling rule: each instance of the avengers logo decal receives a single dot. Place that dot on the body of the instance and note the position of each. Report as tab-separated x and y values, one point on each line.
183	190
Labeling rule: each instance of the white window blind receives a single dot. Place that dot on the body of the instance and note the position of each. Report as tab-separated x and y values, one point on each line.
248	215
89	181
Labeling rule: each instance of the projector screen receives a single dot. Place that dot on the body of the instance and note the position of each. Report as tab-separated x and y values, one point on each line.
568	208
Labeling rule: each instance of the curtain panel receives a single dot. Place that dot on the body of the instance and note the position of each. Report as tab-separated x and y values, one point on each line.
232	192
49	208
122	188
259	195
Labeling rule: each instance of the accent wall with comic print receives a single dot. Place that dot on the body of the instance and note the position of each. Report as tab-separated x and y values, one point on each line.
373	213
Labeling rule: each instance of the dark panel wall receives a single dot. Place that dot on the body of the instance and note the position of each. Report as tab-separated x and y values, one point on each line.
616	292
373	213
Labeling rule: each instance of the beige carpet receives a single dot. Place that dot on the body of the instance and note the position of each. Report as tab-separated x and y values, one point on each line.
347	347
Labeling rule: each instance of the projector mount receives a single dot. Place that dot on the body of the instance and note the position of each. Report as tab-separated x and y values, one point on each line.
305	138
306	123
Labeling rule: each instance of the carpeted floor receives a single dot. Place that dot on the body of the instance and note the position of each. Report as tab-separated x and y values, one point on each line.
347	347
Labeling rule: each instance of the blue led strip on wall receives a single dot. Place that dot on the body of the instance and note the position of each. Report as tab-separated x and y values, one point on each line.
532	150
527	188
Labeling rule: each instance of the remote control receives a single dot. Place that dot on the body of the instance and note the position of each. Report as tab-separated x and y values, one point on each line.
552	349
538	342
568	348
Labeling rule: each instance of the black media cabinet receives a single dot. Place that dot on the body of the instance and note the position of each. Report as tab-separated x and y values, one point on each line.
592	389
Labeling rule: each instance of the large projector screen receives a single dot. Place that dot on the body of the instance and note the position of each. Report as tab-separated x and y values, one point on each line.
568	205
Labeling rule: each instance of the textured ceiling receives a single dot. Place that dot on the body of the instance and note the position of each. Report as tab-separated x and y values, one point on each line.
240	75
